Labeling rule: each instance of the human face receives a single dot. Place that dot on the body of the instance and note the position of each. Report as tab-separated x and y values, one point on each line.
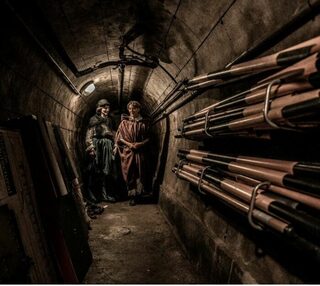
134	111
105	110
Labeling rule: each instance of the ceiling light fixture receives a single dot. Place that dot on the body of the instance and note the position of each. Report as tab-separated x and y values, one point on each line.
88	88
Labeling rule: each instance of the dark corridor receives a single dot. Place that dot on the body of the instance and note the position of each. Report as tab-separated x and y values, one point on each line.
229	92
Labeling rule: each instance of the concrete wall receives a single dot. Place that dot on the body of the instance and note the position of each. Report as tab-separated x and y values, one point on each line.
29	83
218	241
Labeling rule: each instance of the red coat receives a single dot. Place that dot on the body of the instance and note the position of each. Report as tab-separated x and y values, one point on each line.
132	161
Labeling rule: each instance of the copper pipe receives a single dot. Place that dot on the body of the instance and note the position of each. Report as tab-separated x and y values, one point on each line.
254	109
279	59
262	217
279	115
265	203
303	68
310	201
280	178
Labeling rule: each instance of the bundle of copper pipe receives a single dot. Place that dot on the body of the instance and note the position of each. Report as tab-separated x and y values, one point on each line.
303	54
288	99
282	196
294	110
287	201
275	61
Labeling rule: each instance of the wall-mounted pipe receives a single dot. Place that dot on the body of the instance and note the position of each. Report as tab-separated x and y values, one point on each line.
167	72
187	99
126	61
46	52
155	60
176	96
196	93
121	71
161	104
303	16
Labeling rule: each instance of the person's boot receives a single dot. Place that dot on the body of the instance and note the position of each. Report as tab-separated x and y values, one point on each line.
132	201
106	197
91	198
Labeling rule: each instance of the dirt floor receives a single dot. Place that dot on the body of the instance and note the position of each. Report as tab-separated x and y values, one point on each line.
135	245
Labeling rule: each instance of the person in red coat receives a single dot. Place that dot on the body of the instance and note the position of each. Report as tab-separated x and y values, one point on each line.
131	139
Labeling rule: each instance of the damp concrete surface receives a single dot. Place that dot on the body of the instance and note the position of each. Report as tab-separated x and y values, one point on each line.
135	245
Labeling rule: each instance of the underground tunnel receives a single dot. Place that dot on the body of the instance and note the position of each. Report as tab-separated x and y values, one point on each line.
230	93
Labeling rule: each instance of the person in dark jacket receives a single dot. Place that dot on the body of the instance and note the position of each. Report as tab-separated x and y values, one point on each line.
131	139
100	144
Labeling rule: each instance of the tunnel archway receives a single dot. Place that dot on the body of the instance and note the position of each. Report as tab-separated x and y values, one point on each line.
105	89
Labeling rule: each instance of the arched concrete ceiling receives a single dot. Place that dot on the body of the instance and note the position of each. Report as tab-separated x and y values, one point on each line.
91	32
86	33
187	38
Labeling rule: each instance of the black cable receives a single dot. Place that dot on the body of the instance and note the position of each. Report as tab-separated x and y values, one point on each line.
207	36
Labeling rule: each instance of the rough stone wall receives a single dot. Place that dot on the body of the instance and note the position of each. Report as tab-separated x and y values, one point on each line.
219	243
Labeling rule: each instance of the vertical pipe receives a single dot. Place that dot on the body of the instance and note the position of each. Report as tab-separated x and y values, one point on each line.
120	86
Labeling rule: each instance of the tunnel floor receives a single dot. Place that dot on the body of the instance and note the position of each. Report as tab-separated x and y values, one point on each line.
135	245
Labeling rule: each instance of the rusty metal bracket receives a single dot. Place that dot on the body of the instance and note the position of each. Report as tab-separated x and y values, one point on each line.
252	205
